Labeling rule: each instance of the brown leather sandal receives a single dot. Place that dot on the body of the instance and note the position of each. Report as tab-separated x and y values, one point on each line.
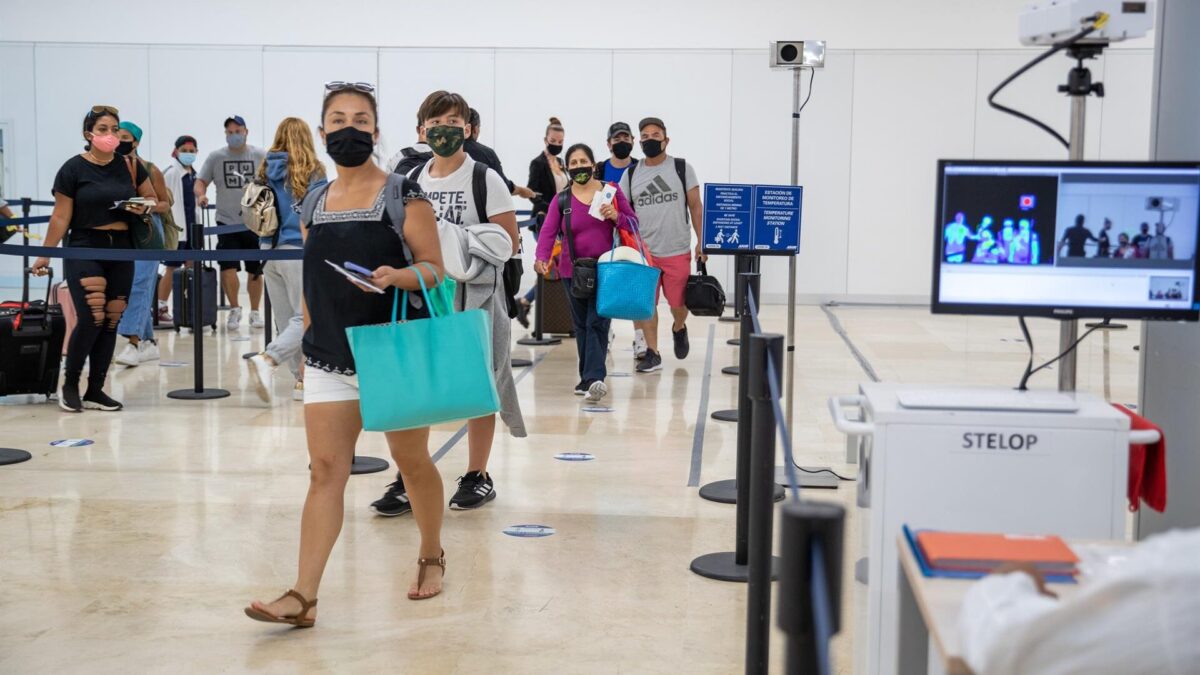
299	620
423	563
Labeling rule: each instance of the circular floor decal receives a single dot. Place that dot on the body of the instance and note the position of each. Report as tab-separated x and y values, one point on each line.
71	442
173	364
575	456
618	374
240	338
529	531
597	409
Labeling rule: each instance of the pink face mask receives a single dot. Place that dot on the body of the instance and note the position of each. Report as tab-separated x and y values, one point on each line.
106	143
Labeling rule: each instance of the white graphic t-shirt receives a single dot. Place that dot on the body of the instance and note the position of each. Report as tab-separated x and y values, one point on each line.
453	199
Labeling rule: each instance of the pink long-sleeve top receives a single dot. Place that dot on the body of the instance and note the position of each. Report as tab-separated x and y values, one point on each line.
593	237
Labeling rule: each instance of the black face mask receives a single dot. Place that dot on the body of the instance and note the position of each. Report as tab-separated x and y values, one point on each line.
124	148
652	148
349	147
622	149
554	149
582	174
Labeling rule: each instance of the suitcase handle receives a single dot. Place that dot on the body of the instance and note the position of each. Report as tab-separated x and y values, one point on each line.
25	297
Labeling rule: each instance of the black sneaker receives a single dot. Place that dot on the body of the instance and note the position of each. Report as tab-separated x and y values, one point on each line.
682	346
474	490
650	364
581	389
99	400
69	399
394	502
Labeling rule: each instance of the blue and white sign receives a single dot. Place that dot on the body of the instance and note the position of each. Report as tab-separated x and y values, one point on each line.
759	219
529	531
575	456
71	442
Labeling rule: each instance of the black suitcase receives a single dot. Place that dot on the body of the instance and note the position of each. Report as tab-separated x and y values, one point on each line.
31	344
181	298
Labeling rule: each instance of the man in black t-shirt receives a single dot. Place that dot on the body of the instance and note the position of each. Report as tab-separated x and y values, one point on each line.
1075	238
1142	241
1103	250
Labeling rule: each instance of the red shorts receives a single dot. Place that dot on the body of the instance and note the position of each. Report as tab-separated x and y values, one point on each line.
675	272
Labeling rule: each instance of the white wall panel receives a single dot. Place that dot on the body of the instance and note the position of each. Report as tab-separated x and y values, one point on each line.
18	111
70	80
1001	136
1125	125
293	85
193	91
909	110
407	76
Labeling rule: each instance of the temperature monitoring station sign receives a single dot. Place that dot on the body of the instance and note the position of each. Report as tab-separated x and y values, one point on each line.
753	219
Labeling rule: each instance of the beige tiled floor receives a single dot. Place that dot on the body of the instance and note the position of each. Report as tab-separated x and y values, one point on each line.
136	554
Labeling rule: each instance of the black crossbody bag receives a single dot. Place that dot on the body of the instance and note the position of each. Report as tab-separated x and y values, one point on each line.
583	275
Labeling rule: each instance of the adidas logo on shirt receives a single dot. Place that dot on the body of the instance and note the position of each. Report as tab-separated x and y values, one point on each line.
657	192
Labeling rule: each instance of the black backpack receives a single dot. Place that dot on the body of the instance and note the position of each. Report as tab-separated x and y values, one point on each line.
703	295
478	186
411	158
680	170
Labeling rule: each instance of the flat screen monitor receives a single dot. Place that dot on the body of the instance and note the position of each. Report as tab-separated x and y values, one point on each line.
1067	239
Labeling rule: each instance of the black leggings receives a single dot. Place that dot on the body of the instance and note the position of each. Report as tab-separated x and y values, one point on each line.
99	302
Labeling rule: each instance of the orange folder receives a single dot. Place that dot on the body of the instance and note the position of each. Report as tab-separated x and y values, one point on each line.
981	551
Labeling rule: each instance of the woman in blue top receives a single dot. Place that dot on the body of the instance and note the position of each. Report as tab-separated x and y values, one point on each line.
291	169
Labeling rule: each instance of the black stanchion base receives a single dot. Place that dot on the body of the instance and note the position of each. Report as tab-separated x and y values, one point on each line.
164	326
732	370
534	342
13	456
364	464
733	342
725	416
1109	326
521	363
193	395
725	492
730	319
721	566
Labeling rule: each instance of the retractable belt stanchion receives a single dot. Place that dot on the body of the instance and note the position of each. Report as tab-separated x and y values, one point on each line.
810	582
197	392
747	282
760	563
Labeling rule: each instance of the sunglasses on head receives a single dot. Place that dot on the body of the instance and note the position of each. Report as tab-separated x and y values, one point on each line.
338	85
98	110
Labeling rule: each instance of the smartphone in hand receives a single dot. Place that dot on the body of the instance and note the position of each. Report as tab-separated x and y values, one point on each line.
359	276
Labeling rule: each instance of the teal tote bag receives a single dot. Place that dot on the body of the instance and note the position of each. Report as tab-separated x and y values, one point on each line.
414	374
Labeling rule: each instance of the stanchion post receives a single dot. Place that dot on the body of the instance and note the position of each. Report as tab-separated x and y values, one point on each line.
198	392
802	524
760	502
745	429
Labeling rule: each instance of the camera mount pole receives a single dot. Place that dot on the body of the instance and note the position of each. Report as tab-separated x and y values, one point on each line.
1078	87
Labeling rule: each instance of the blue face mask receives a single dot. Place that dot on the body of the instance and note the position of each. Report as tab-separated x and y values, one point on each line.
187	158
236	140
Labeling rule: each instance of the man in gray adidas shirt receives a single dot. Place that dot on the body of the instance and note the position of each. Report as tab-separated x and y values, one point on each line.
664	192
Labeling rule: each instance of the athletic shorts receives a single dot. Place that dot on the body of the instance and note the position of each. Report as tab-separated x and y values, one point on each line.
675	272
246	240
322	386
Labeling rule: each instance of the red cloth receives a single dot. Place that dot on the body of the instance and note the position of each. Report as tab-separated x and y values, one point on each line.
1147	465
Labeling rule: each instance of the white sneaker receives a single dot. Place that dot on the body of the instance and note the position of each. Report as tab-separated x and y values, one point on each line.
129	356
639	345
235	319
597	391
298	392
147	351
256	320
261	372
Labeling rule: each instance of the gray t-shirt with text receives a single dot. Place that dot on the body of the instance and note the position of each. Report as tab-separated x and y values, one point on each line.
229	172
661	205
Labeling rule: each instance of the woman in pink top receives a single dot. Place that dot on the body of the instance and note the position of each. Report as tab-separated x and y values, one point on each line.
592	238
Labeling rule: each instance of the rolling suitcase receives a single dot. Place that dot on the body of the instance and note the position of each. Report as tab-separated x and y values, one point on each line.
556	308
31	344
181	298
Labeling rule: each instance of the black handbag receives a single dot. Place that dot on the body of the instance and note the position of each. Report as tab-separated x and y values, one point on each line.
583	274
704	295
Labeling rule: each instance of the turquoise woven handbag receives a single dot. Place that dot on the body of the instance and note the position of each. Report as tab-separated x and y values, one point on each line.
414	374
626	290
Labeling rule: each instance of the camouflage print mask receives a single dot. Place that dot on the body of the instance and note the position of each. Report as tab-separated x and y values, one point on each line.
445	140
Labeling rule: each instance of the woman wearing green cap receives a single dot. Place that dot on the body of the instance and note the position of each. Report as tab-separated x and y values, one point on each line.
137	323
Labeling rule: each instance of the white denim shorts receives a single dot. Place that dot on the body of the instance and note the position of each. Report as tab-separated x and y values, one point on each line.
322	386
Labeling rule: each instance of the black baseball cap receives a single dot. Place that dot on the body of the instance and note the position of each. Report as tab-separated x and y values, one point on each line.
618	127
647	121
236	119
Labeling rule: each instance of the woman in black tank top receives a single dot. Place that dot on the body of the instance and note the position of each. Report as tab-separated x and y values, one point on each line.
350	224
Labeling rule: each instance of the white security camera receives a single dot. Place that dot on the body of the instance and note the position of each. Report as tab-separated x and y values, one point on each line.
795	54
1048	22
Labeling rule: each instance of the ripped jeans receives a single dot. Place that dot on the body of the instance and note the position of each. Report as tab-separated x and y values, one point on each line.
99	290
